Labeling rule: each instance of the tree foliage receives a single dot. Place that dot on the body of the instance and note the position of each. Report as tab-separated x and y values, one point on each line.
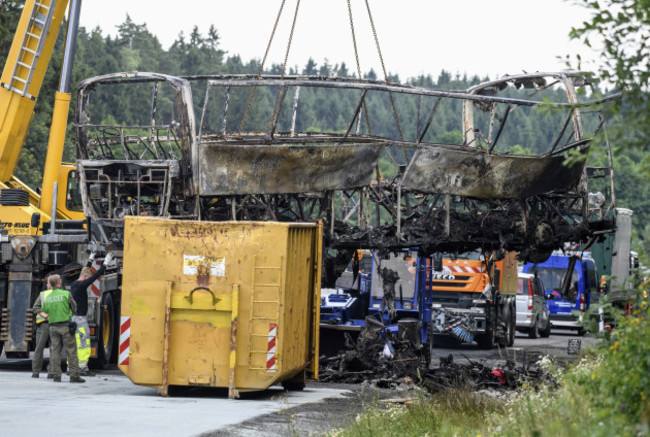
623	28
200	52
620	30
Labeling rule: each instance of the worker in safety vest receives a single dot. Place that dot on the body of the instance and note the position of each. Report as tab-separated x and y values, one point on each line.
58	307
79	291
42	336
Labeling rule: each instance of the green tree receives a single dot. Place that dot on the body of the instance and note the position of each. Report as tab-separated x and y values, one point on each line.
9	16
623	28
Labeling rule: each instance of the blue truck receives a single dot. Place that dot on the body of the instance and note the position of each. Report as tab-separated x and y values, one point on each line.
359	295
571	283
577	279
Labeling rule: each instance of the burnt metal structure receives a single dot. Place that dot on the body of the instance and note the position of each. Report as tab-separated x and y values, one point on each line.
374	186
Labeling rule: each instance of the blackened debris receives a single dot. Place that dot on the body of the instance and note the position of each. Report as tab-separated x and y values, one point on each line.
366	361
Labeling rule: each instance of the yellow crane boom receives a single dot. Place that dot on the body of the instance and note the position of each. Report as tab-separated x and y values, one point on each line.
23	75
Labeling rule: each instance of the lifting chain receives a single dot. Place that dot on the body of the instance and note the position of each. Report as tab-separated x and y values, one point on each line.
383	67
284	64
365	107
259	73
356	55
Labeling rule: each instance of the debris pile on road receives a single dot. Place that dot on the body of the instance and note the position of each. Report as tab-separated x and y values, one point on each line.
390	363
478	376
384	363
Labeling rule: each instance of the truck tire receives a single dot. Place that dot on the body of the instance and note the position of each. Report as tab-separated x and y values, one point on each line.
488	339
106	329
534	330
429	346
513	326
546	332
502	338
508	338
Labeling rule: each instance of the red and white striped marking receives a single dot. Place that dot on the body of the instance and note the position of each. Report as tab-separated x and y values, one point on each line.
467	269
125	340
94	287
271	349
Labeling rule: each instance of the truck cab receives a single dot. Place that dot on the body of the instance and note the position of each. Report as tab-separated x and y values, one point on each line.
347	304
579	269
473	298
345	308
356	297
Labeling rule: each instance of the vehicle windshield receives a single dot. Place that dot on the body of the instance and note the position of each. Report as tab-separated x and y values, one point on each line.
404	264
552	276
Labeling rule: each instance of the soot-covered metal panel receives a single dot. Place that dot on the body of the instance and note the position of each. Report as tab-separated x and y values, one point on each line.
274	169
481	175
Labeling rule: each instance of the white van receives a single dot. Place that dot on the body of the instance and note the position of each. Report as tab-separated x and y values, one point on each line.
533	315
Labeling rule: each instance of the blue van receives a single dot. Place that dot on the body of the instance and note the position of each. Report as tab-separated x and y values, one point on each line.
581	269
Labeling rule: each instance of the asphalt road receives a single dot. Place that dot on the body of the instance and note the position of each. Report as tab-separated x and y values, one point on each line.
556	346
110	404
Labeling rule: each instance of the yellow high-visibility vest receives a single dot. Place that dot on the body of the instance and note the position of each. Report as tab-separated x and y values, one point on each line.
40	319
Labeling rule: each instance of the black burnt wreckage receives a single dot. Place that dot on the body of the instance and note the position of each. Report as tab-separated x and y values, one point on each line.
401	362
372	185
252	150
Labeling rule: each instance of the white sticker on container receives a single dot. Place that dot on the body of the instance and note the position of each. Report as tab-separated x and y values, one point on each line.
192	264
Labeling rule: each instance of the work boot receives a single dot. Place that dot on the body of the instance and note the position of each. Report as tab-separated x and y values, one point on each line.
56	378
87	373
76	379
34	375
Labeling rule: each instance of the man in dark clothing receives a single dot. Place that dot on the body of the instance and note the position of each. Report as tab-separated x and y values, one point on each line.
57	307
79	291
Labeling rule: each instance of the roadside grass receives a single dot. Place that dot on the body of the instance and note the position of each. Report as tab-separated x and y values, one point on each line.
450	412
605	394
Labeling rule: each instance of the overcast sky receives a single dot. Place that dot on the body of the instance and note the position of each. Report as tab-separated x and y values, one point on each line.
483	37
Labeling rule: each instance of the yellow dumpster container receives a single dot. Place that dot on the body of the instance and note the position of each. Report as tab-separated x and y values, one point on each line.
219	304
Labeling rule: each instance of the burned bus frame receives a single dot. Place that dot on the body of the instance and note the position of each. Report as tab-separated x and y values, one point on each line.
441	197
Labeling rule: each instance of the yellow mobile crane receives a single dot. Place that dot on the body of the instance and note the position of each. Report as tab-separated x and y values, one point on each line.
41	234
21	81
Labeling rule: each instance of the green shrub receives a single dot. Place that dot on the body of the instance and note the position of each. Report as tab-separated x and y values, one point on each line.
604	394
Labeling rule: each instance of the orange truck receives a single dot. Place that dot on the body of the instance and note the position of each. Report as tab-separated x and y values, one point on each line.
472	297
